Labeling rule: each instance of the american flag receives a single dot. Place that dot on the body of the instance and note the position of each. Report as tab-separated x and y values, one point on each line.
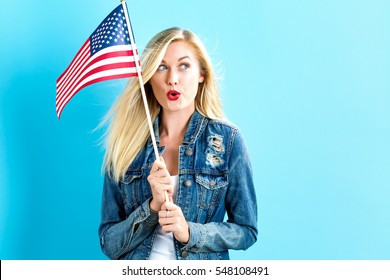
107	54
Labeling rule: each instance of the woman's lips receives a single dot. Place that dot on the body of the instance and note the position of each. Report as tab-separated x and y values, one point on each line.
173	95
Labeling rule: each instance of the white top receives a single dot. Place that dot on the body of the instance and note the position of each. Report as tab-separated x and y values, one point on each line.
164	246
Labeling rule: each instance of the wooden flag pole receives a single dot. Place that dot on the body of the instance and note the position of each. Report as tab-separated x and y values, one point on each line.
141	84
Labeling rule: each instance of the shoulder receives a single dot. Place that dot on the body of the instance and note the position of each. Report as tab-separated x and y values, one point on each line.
225	128
223	124
222	127
226	132
218	143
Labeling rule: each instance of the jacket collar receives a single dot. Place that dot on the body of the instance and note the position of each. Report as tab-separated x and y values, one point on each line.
196	125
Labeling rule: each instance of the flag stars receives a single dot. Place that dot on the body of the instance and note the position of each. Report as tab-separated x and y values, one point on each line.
112	31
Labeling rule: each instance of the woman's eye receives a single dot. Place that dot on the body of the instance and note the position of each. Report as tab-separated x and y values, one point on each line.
162	68
184	66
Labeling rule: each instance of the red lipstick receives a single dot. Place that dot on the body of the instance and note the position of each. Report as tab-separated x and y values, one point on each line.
173	95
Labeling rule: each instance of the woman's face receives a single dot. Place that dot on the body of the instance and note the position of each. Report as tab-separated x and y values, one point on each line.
175	83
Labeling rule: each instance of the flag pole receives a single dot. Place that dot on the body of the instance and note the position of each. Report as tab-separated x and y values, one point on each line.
141	84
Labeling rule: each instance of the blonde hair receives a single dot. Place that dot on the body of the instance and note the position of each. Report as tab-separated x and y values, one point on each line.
128	130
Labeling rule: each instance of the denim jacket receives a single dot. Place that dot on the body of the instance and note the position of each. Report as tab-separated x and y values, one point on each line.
215	179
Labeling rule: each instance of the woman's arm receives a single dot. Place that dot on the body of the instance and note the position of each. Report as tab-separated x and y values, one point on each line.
118	234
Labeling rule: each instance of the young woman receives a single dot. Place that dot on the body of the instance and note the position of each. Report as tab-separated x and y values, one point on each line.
204	165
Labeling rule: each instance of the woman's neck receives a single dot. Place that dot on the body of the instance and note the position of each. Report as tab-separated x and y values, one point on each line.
173	125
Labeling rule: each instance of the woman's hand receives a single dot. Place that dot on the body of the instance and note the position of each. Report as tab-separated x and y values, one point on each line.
171	219
160	182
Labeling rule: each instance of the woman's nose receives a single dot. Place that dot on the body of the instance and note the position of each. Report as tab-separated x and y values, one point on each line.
173	78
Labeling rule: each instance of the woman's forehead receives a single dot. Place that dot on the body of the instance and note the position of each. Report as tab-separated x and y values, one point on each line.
179	50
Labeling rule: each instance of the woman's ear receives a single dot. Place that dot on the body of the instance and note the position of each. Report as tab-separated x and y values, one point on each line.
201	79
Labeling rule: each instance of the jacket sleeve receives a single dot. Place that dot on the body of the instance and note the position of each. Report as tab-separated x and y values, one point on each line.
120	234
239	232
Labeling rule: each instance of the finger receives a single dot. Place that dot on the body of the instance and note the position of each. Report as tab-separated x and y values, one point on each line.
165	214
168	205
164	191
171	227
173	209
158	164
166	228
163	173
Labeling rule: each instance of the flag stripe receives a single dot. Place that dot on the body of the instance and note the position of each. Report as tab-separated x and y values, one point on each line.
115	74
105	55
124	50
98	59
82	50
91	71
108	58
84	56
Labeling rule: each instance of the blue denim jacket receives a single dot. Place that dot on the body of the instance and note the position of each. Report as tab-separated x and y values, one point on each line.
215	179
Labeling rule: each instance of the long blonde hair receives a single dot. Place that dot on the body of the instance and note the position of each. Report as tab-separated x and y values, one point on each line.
128	130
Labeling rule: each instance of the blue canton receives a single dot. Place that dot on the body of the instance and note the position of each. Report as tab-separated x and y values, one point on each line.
111	32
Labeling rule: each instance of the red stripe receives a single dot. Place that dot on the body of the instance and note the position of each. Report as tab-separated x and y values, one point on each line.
71	85
105	78
60	100
74	60
73	74
112	66
74	71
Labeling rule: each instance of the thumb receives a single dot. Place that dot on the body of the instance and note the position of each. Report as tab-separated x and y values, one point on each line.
160	163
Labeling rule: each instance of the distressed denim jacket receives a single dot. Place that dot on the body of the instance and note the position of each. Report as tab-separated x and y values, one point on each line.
215	180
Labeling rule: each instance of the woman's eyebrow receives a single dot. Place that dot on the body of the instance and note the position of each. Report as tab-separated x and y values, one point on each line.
180	59
184	57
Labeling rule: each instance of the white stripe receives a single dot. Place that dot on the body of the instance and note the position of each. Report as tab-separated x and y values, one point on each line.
60	86
112	60
112	49
92	77
75	62
64	95
73	72
63	99
63	92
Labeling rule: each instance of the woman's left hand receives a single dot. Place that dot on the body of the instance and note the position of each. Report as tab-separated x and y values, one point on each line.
171	219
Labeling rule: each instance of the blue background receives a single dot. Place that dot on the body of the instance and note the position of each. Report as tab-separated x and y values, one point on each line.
306	81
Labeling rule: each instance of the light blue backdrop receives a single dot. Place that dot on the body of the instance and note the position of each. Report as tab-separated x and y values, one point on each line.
306	81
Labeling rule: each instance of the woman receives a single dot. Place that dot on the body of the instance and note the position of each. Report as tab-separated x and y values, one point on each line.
204	167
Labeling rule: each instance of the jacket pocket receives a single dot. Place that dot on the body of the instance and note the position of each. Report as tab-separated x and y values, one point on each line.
134	190
210	189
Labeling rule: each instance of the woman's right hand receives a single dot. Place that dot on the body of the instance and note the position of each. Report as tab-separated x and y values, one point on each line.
160	182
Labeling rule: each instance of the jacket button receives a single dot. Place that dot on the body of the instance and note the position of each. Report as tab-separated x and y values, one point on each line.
184	254
188	152
212	182
187	183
